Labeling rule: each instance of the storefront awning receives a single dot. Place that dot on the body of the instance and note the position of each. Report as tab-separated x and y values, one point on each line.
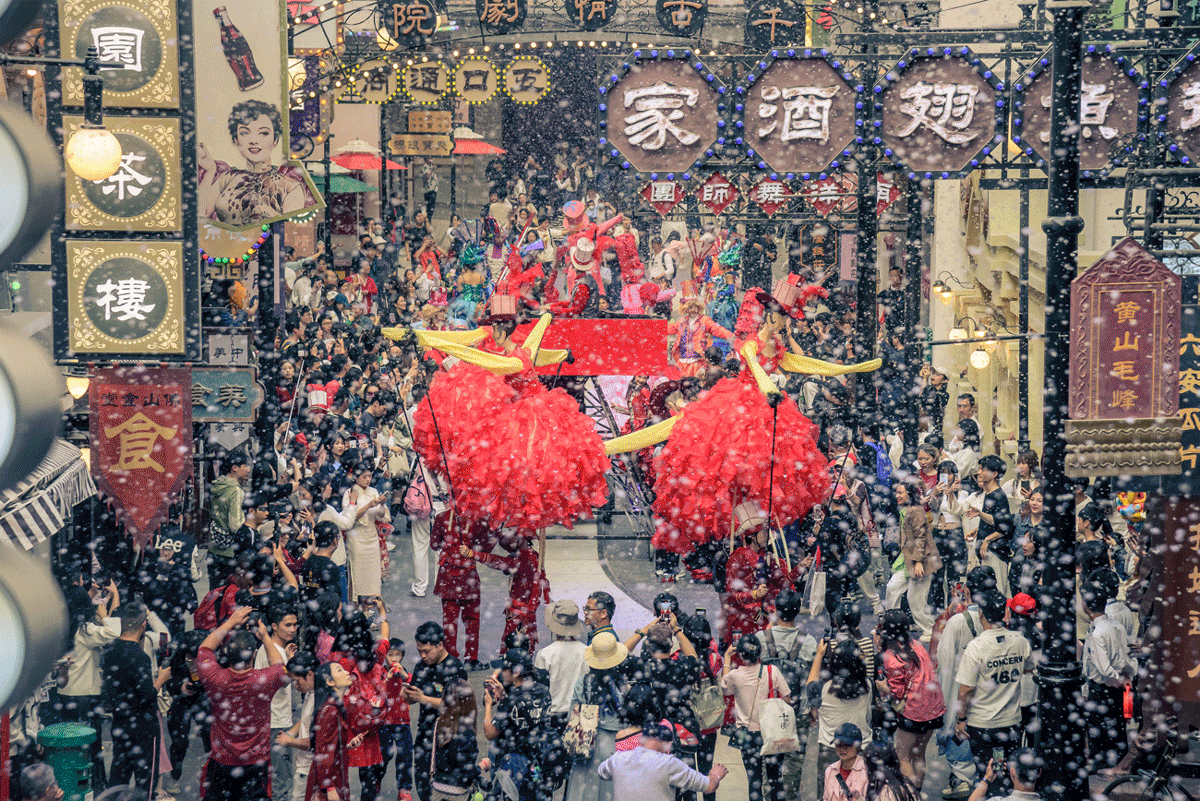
40	504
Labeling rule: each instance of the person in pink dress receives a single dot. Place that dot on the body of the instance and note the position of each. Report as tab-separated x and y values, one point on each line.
911	684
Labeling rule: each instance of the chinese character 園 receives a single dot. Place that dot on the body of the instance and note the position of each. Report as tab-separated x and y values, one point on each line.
120	48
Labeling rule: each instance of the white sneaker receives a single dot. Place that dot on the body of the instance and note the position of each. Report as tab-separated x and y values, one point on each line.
957	788
390	545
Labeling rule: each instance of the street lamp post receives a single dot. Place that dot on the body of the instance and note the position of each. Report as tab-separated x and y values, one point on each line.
866	321
1062	735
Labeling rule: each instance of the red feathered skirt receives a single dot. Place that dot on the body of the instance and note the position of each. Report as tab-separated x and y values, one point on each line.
719	455
524	462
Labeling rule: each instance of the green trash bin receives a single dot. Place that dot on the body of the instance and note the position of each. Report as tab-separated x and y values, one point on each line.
68	753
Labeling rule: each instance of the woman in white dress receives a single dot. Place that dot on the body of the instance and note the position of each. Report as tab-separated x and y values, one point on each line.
362	540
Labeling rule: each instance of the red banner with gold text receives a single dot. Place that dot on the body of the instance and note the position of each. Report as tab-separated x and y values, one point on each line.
141	442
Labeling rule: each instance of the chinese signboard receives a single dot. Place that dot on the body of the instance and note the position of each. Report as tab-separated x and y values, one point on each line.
1173	535
939	114
228	435
126	298
224	395
828	195
591	15
144	194
770	23
819	249
423	120
716	193
662	115
799	115
1125	337
681	17
1189	405
421	145
526	79
1183	108
771	195
409	22
426	82
228	349
141	438
377	80
137	43
245	177
663	195
1108	111
501	16
476	80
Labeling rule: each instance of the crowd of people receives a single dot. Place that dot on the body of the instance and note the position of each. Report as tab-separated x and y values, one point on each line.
286	668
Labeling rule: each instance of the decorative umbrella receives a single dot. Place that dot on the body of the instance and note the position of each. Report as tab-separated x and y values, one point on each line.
358	155
343	184
469	143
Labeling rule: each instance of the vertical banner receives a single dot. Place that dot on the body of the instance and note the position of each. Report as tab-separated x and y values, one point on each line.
242	127
141	438
1173	536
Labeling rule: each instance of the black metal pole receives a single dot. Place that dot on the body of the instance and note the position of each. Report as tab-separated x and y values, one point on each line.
865	276
268	414
325	159
1062	735
913	250
1023	323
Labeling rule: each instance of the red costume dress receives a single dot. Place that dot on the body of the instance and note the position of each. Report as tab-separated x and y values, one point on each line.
719	455
330	770
365	707
744	572
517	455
528	587
458	580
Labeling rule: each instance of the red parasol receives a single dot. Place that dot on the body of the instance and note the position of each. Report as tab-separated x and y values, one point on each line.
364	161
476	147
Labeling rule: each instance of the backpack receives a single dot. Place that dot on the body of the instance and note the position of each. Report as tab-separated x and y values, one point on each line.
939	626
883	464
216	608
794	669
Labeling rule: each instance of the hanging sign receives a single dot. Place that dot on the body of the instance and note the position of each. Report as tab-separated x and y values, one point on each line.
683	18
141	438
799	115
1125	337
1109	102
476	80
716	193
422	120
662	114
771	195
144	194
886	193
224	395
410	22
939	112
526	79
228	435
501	16
126	298
1189	405
421	145
771	23
826	195
663	195
377	80
137	44
591	15
426	82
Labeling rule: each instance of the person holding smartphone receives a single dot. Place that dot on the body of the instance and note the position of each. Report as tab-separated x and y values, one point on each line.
947	503
1025	483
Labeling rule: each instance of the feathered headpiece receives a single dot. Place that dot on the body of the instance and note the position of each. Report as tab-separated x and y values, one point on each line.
470	255
731	256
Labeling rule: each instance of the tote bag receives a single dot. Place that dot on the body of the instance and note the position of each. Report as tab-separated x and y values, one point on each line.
777	723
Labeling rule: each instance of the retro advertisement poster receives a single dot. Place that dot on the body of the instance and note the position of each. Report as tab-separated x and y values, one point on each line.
245	177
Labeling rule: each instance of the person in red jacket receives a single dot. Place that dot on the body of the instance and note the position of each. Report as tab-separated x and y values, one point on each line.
395	735
458	580
329	778
752	576
364	658
528	586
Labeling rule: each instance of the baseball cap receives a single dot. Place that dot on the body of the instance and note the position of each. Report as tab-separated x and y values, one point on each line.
1022	603
847	734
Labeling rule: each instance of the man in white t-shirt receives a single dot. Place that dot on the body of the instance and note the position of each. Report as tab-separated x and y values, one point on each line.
282	623
563	658
989	692
302	669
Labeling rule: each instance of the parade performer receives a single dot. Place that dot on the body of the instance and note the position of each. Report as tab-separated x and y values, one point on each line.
743	440
691	335
585	292
470	287
516	454
457	583
528	586
753	575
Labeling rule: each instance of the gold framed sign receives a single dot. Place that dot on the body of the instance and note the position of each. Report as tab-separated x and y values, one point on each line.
138	46
126	297
145	193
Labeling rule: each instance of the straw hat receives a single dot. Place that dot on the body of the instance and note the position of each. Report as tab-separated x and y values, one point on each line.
748	515
605	651
562	618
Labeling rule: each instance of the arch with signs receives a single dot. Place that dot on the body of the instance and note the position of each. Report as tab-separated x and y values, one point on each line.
476	80
377	80
526	79
425	82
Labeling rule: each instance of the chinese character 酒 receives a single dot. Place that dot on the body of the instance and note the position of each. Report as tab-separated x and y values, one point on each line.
805	111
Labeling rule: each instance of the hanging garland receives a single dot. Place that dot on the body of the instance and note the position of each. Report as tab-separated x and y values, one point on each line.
245	257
